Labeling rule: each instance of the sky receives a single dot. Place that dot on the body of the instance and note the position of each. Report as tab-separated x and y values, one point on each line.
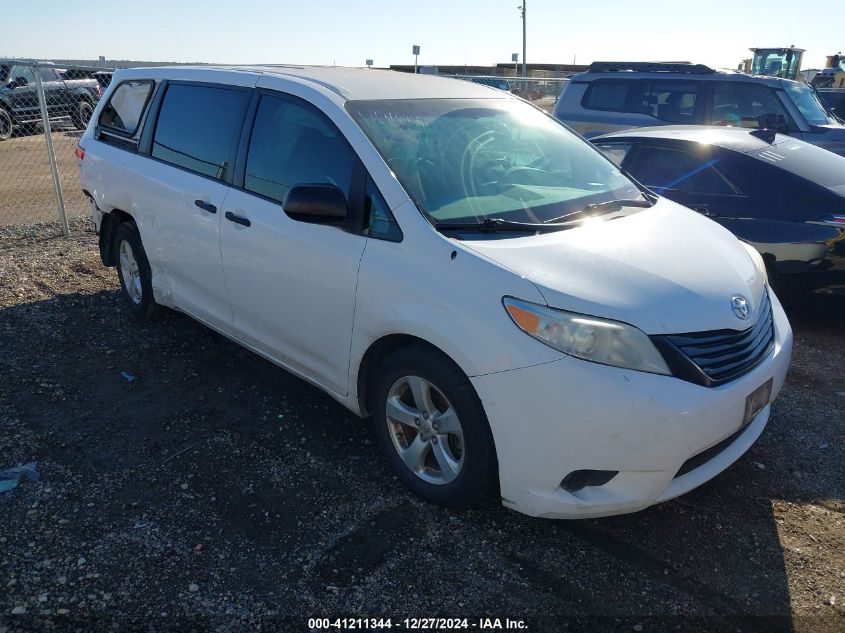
476	32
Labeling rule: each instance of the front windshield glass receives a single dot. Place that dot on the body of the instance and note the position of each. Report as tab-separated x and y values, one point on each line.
806	101
466	160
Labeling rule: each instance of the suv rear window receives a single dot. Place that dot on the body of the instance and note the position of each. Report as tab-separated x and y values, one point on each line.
126	106
665	100
196	127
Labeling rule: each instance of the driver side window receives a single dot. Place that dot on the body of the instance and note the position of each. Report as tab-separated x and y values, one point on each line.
24	72
742	105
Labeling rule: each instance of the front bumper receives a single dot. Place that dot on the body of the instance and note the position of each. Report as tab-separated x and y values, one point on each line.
549	420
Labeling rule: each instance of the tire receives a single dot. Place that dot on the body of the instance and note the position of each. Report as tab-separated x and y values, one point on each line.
133	272
451	469
7	126
82	114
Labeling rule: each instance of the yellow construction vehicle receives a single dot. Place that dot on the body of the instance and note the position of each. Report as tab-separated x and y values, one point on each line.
833	75
775	62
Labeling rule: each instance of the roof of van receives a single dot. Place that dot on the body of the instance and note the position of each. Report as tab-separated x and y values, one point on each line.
350	83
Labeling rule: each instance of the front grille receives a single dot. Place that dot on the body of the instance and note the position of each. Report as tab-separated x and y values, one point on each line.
716	357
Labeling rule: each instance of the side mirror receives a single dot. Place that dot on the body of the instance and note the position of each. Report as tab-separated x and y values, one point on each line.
20	82
772	121
317	204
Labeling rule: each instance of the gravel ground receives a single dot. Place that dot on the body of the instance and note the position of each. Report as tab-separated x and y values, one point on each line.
216	491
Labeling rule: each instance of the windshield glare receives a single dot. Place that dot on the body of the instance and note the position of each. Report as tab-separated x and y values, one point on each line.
806	101
465	160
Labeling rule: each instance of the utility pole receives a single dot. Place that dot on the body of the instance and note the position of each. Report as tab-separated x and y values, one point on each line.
524	67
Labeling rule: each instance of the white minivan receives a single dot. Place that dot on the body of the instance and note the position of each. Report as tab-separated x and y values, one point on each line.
515	314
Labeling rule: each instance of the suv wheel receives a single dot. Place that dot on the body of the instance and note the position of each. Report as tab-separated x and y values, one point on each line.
432	427
133	270
82	115
6	125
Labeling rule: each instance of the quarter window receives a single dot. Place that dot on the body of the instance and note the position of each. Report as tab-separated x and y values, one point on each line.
380	221
664	169
197	127
615	151
293	145
126	105
607	95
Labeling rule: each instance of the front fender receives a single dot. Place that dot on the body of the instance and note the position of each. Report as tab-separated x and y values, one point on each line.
418	288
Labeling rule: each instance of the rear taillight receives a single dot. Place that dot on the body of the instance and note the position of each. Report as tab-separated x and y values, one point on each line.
99	90
80	153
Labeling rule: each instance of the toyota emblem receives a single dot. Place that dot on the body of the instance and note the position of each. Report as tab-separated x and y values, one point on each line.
740	306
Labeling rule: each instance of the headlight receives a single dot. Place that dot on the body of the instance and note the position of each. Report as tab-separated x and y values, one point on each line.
590	338
757	258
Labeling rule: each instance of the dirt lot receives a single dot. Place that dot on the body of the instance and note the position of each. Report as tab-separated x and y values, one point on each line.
217	491
27	194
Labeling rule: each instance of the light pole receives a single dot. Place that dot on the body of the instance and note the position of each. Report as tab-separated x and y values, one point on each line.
522	9
416	51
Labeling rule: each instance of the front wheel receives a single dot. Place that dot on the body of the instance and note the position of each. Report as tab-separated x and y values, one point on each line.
7	125
133	270
82	114
432	428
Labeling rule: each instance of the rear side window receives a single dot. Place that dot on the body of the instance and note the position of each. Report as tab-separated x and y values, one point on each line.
663	169
294	145
670	101
126	106
197	127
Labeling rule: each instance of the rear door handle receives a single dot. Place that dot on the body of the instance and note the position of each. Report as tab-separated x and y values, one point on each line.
237	219
205	206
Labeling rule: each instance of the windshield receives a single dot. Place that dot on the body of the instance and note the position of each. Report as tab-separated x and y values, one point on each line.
467	160
806	101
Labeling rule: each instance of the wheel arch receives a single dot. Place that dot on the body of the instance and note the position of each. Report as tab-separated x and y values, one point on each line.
108	231
379	350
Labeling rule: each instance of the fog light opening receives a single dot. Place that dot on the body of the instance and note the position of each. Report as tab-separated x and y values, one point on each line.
580	479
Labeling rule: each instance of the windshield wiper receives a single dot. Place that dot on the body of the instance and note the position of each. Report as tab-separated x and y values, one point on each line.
572	218
491	225
633	202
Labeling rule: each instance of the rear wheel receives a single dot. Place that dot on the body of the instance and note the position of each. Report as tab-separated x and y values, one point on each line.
432	428
6	125
133	270
82	114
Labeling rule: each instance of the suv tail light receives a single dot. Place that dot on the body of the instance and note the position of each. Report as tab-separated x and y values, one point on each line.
80	153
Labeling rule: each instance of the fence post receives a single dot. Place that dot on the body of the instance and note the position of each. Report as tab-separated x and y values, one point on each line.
51	152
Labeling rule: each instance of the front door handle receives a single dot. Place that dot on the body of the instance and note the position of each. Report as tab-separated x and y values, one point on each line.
205	206
237	219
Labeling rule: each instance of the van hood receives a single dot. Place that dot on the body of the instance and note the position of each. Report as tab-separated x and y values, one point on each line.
666	270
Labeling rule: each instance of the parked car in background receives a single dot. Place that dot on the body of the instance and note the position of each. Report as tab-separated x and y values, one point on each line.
66	98
613	96
517	315
781	195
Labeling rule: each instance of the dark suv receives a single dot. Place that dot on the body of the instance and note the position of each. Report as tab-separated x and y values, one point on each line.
614	96
66	98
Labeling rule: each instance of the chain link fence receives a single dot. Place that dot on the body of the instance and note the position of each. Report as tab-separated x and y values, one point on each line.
541	91
44	109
